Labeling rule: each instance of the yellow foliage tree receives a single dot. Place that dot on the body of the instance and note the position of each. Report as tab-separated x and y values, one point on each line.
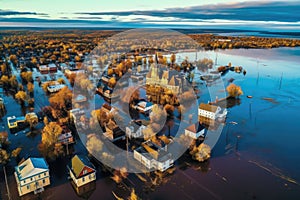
234	90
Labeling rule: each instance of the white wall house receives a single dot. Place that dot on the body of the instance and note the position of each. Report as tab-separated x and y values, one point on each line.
209	111
195	130
81	171
144	106
153	157
55	88
32	175
132	133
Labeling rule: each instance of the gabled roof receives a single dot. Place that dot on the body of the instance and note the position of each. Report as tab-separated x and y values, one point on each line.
31	167
78	164
195	128
208	107
145	104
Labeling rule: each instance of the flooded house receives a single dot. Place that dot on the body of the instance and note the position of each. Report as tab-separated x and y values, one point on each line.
135	131
154	156
195	130
32	175
209	111
82	172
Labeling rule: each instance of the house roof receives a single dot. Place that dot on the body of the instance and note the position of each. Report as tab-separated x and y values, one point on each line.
208	107
195	128
31	167
145	104
78	163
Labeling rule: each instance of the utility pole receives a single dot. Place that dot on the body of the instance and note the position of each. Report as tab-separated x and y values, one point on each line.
6	183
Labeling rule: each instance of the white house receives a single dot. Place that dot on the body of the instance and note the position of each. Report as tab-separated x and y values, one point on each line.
13	121
144	106
32	175
76	113
81	171
135	131
209	111
153	156
66	136
195	130
55	88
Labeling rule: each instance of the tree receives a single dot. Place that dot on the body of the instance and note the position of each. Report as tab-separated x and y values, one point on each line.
94	143
4	157
21	96
234	90
201	153
5	81
13	58
16	152
112	82
173	58
61	81
204	64
32	120
49	145
13	82
50	134
62	99
46	121
3	138
30	87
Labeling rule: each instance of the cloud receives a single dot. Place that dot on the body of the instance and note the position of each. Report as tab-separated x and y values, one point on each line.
253	10
250	15
12	12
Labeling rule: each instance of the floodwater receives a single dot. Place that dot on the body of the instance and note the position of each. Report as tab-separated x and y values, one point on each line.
256	157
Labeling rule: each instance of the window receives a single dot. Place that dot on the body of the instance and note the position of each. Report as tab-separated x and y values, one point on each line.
44	181
39	176
83	179
85	171
45	174
31	179
28	187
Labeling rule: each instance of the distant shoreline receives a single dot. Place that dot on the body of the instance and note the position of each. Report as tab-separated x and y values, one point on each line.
222	32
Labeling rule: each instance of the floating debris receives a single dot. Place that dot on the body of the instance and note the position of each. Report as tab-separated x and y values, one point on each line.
232	122
249	96
222	177
271	100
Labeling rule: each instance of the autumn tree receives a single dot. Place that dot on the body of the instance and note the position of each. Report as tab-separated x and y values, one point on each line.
32	120
204	64
49	146
13	58
5	81
112	82
21	96
173	58
13	82
62	99
234	91
4	157
94	144
61	81
30	87
3	138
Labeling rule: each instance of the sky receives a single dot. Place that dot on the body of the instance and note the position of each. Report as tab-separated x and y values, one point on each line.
230	14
